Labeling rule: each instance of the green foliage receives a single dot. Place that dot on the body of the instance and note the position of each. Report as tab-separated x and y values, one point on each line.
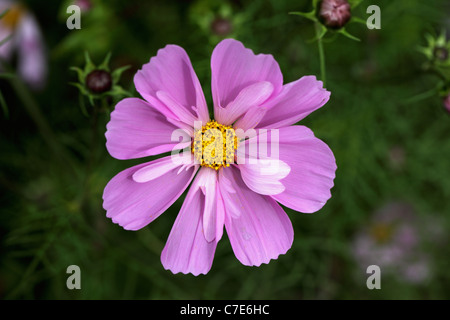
51	202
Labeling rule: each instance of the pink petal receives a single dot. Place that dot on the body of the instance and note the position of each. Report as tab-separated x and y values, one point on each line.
297	100
161	166
171	72
207	181
228	195
183	114
6	49
220	213
264	176
234	68
251	118
313	167
187	250
262	230
31	52
133	205
137	130
251	96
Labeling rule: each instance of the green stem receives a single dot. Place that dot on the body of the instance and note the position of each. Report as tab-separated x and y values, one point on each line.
90	161
94	140
422	96
439	74
321	55
41	123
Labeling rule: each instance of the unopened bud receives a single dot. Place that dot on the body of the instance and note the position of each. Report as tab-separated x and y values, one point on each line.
334	13
440	53
85	5
99	81
221	26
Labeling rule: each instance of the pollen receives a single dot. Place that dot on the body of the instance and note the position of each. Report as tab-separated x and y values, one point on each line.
214	145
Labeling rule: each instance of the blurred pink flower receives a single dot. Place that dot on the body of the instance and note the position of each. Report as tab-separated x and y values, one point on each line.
221	26
447	103
392	241
27	41
85	5
248	92
417	271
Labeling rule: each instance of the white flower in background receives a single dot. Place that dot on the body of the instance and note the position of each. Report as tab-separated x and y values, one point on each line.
26	41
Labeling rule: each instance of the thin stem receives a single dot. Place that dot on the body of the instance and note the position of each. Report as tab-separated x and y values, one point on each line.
321	54
439	74
42	125
422	96
90	161
94	140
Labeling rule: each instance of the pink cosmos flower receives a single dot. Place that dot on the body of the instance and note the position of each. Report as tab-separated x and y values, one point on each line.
248	93
27	41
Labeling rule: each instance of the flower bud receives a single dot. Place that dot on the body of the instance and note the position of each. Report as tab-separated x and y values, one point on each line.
397	157
221	26
85	5
440	53
99	81
334	13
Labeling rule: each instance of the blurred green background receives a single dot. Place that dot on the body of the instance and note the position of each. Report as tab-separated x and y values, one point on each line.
389	149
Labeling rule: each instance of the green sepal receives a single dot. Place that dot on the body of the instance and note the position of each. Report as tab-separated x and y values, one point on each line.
313	17
80	87
354	3
116	74
308	15
117	90
348	35
90	66
358	20
105	64
80	73
433	42
315	3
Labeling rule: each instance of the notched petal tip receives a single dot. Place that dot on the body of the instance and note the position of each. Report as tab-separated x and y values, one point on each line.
186	272
267	261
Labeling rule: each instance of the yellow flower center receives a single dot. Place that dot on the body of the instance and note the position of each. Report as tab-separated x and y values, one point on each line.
13	16
214	145
382	232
